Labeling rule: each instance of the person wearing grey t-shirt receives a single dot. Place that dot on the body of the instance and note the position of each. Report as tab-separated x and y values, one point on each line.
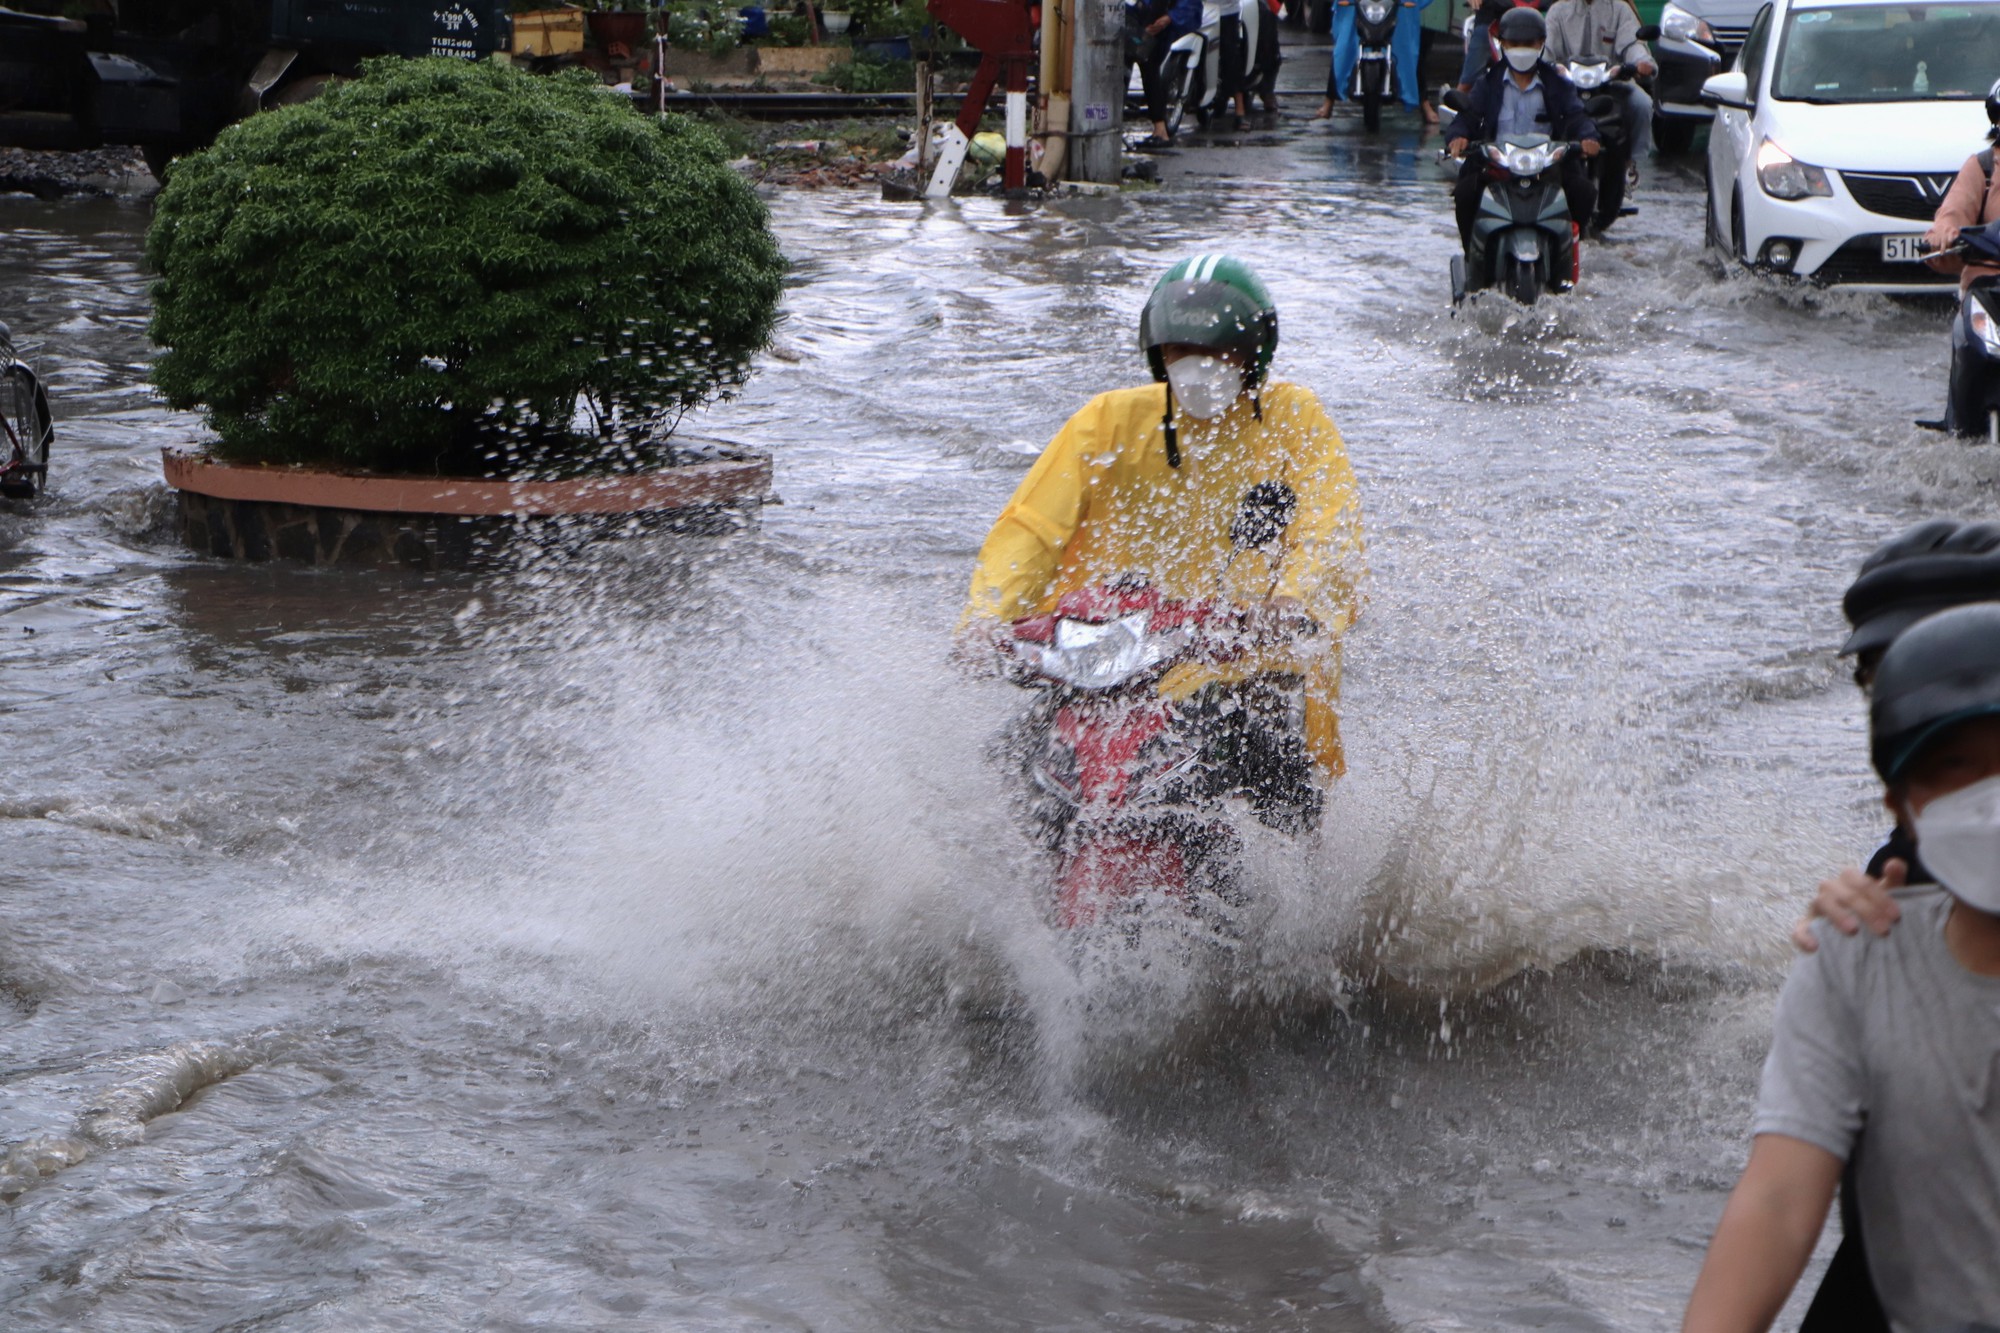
1886	1050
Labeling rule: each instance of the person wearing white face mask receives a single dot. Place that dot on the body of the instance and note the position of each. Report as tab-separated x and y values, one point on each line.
1898	1035
1522	94
1213	483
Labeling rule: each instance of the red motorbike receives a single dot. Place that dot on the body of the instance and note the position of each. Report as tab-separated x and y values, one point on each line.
1125	787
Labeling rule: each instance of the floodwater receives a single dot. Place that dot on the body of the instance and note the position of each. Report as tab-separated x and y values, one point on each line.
642	943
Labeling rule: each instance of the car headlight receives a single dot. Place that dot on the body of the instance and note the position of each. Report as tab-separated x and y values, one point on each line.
1984	325
1784	177
1682	26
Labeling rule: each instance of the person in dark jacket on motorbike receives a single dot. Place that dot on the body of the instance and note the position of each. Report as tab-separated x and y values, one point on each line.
1524	94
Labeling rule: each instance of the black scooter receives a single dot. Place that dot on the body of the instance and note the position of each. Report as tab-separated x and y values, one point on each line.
1972	402
1523	240
1596	81
1375	27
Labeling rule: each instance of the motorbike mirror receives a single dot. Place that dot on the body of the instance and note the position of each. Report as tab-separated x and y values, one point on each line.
1650	33
1450	100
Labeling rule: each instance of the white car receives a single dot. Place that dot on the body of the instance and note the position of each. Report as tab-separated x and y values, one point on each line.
1840	129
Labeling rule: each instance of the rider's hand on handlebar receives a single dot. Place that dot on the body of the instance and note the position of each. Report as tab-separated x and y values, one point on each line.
1591	148
979	645
1457	147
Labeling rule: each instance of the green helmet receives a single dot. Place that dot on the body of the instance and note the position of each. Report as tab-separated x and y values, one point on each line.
1211	301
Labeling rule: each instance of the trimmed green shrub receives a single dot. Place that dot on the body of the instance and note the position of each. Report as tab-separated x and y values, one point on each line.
458	268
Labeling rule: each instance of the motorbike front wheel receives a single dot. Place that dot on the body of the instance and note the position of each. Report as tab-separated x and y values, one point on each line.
1524	280
1174	79
1373	76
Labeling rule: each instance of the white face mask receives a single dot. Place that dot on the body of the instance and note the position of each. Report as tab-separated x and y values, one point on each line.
1522	58
1205	386
1958	836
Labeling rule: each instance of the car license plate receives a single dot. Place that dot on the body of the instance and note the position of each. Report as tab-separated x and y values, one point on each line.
1902	249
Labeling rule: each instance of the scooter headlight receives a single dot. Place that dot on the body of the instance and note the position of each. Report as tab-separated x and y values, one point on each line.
1682	26
1785	177
1587	77
1984	326
1524	161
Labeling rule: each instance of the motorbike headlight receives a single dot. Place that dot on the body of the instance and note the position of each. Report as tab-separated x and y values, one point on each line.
1984	326
1682	26
1526	161
1374	13
1587	76
1784	177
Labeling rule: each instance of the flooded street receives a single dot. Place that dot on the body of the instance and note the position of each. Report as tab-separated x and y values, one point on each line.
644	942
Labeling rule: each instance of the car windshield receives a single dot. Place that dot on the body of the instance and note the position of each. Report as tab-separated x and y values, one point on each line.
1889	53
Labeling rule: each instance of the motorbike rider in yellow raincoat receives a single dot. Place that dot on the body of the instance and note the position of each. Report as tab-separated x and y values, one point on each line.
1213	482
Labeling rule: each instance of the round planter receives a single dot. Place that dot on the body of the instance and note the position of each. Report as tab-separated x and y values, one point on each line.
834	21
249	512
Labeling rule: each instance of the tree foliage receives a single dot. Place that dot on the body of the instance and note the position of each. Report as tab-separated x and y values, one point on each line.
446	266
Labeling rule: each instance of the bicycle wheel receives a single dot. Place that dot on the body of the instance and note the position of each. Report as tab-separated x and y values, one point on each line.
26	432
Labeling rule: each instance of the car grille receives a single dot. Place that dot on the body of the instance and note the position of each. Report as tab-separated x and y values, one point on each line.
1860	261
1915	197
1729	39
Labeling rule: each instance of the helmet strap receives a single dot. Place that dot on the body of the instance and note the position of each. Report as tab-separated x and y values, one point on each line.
1173	435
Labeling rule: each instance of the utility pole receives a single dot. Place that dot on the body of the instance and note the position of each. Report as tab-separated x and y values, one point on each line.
1097	84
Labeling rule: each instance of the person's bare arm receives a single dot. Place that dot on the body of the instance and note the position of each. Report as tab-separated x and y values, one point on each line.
1767	1233
1851	900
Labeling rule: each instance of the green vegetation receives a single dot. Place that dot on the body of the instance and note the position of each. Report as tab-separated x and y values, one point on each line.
866	74
709	28
454	267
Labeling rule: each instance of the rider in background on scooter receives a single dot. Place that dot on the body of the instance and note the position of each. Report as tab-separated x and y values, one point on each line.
1608	28
1405	46
1969	202
1214	482
1524	94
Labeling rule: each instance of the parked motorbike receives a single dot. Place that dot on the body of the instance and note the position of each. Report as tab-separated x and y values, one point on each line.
1597	80
1972	398
1192	73
1374	74
26	428
1123	786
1523	240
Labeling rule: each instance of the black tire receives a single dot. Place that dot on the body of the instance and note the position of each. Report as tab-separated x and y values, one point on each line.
1965	415
1373	76
1173	83
1524	281
1739	245
1610	186
1672	134
25	407
1712	224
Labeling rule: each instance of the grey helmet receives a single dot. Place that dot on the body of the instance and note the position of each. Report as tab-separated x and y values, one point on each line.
1522	24
1943	670
1917	573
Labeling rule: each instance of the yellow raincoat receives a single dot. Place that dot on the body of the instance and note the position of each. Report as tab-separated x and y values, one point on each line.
1101	501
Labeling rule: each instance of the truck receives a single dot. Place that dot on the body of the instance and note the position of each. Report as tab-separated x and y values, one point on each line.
168	75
